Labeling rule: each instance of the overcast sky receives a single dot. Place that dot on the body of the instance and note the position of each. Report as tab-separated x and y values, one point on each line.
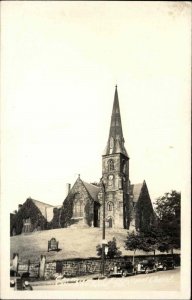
60	64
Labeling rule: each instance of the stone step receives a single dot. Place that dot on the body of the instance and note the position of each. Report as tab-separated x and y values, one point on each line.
79	224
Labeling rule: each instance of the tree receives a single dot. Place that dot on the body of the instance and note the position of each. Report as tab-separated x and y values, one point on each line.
153	239
168	210
134	242
113	250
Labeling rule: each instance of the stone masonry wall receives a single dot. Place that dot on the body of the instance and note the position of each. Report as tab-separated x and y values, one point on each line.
50	269
74	268
67	213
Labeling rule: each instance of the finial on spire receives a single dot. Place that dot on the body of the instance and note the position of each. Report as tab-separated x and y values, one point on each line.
116	86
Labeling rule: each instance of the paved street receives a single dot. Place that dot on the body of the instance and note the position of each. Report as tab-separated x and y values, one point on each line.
159	281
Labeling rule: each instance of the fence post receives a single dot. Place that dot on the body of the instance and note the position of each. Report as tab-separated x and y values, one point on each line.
42	266
28	265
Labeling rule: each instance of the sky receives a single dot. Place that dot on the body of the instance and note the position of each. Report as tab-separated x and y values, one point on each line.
60	64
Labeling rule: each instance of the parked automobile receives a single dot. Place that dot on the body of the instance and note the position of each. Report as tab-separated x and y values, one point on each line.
146	266
13	273
27	286
122	269
12	284
166	264
13	278
19	281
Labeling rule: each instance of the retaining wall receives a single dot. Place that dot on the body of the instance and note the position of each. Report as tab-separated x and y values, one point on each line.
79	267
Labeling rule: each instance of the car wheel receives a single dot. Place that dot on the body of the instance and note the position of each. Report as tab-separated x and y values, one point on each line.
124	274
146	271
164	268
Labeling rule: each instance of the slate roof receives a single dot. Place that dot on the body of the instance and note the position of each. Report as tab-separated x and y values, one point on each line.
41	206
135	191
92	189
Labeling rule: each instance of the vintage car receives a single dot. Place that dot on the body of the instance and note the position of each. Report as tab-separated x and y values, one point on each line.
146	266
166	264
17	280
122	269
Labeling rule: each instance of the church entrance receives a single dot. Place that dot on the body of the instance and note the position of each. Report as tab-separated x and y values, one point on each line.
109	222
96	214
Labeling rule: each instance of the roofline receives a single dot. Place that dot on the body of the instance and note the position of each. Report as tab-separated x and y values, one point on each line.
115	154
40	202
86	188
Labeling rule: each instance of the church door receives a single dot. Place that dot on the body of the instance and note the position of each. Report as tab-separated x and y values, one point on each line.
96	214
110	222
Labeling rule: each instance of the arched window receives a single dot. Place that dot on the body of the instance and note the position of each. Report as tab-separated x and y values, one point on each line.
110	206
78	207
111	165
26	225
124	166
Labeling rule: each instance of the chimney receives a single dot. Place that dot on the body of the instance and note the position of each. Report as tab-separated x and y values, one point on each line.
19	206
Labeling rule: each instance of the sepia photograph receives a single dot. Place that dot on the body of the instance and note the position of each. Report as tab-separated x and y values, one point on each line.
95	150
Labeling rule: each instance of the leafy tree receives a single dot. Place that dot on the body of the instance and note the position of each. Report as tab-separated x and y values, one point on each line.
147	241
163	234
135	241
168	210
153	239
113	250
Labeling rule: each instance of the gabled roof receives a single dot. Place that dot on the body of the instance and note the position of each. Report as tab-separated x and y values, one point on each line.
135	191
41	206
92	190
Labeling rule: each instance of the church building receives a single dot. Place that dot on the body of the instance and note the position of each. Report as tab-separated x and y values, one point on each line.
127	205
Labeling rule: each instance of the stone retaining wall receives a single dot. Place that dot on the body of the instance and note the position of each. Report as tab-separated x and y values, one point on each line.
78	267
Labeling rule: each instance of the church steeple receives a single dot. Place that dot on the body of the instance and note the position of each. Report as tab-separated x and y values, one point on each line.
115	142
115	172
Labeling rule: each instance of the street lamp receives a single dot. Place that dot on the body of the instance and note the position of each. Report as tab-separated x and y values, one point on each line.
106	252
103	231
106	249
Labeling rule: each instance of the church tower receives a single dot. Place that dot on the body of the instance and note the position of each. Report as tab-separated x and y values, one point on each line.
115	172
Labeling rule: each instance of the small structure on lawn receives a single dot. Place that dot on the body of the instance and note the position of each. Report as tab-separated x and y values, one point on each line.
53	245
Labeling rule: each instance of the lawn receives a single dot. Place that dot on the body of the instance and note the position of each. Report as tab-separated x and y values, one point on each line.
73	243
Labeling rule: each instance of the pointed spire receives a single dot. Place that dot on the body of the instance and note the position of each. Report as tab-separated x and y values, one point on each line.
115	142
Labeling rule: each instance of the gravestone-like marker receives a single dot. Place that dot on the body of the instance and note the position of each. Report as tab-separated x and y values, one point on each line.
53	245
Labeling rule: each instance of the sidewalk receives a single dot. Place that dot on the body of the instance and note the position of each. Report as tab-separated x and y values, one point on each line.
68	280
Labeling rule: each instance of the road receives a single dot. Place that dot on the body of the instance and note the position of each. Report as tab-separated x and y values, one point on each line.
159	281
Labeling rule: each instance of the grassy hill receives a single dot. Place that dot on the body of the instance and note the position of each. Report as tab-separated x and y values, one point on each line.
73	243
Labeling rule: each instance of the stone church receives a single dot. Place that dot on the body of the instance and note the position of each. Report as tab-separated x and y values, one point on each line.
127	205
